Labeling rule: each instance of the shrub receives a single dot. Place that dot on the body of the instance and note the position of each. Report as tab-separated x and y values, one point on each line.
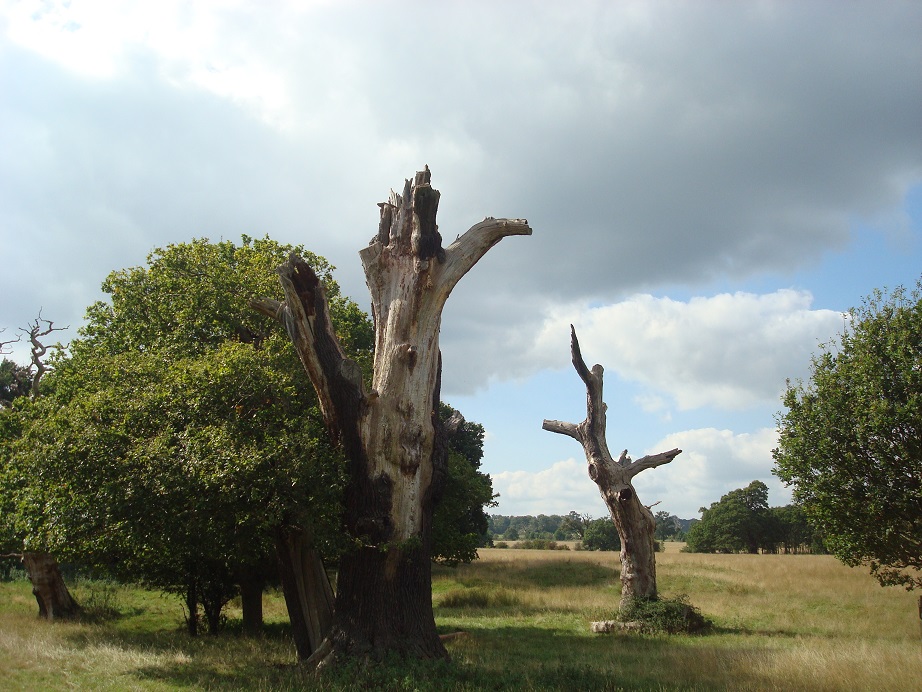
540	544
479	597
669	615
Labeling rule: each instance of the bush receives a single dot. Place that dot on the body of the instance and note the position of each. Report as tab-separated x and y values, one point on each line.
669	615
540	544
601	534
501	544
479	597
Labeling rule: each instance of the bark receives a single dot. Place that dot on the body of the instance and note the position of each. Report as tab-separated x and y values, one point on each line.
192	608
634	521
390	434
252	584
308	594
48	587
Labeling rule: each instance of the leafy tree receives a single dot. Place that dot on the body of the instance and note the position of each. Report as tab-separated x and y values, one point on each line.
601	534
574	524
795	533
667	526
165	447
459	523
851	439
15	381
739	522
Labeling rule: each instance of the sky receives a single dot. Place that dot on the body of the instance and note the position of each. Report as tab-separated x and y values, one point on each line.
711	187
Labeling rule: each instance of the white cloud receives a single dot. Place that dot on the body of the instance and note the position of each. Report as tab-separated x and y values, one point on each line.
712	463
730	351
563	487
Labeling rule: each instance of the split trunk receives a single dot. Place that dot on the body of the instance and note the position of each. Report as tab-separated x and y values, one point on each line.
390	433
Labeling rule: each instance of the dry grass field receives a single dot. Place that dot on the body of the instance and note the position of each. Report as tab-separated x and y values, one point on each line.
781	622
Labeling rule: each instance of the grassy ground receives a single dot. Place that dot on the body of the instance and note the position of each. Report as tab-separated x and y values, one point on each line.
781	623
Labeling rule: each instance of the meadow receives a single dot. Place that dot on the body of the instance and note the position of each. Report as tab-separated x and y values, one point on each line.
780	622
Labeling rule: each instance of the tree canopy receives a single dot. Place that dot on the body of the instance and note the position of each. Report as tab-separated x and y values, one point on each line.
164	450
851	438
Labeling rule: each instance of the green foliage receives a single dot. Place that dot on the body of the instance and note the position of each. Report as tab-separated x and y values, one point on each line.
459	523
739	522
851	439
15	381
601	534
479	597
667	526
540	544
181	430
666	615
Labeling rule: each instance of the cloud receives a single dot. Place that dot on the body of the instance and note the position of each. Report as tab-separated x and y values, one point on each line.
712	463
557	490
730	351
648	143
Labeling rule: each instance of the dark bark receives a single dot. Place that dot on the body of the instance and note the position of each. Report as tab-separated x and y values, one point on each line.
192	608
634	521
252	584
48	587
308	594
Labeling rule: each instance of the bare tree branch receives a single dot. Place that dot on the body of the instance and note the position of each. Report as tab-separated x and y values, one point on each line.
35	331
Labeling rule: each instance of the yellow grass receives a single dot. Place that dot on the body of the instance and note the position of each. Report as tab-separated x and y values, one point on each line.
782	622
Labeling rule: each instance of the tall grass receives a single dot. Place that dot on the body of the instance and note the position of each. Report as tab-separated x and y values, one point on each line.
794	622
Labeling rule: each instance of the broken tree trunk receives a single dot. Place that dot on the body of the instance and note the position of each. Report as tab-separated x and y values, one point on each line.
48	587
308	594
391	435
634	521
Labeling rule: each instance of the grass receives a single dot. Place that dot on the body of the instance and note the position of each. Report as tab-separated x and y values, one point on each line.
781	622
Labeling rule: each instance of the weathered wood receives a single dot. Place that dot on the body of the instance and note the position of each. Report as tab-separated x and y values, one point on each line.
391	434
48	587
306	586
634	521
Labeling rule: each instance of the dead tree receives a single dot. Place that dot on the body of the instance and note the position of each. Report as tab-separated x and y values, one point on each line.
390	433
35	332
634	521
48	587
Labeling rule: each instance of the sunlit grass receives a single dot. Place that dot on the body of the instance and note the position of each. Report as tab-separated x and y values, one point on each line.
782	622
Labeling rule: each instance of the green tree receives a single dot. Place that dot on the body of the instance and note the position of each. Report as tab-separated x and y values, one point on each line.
739	522
460	523
851	439
666	526
166	446
574	524
601	534
15	381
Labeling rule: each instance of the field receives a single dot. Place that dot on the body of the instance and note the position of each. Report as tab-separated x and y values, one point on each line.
781	622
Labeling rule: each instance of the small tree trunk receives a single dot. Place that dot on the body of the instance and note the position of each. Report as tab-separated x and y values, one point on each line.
308	594
54	600
390	435
635	522
192	608
252	584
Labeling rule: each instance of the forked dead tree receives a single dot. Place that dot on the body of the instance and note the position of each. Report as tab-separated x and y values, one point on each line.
391	434
634	521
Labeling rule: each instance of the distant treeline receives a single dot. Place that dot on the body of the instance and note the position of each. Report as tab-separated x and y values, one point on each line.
740	522
593	534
